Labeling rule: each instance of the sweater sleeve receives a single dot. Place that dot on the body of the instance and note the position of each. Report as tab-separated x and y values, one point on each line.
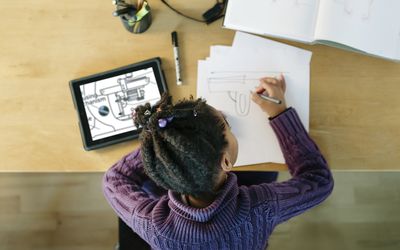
128	190
311	181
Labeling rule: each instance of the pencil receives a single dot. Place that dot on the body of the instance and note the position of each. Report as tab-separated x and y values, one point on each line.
139	4
271	99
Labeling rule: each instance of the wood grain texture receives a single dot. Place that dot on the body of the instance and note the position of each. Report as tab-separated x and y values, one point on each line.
354	112
55	211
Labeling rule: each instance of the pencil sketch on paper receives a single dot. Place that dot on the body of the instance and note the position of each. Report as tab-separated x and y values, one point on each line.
357	8
237	85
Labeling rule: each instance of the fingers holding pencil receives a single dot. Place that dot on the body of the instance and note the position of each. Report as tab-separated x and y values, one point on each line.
278	81
270	95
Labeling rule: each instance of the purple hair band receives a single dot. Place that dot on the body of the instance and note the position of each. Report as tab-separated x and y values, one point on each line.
162	122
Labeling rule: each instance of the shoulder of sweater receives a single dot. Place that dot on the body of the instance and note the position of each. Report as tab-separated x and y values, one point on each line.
132	157
260	196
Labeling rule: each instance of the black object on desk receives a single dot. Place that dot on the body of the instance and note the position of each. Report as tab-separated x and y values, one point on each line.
135	18
105	101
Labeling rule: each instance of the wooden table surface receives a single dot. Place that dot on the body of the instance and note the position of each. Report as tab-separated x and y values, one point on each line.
354	116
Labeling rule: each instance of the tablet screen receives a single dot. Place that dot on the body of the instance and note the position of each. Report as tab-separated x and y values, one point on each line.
105	101
109	103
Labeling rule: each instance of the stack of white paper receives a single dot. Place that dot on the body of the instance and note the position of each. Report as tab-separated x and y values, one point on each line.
227	76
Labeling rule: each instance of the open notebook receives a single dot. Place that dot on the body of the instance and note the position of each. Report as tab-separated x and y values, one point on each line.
366	26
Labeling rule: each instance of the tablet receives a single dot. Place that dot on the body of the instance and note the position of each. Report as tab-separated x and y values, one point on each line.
105	101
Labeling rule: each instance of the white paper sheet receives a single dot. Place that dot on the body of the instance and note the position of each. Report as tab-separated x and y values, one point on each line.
219	50
225	81
256	45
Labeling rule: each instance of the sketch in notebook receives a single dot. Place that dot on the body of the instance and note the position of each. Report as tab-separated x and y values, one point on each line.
294	2
357	8
237	85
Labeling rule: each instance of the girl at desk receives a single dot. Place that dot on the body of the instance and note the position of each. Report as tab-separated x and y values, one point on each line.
177	191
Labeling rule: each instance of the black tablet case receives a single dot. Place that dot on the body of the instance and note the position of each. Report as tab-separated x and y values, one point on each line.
130	135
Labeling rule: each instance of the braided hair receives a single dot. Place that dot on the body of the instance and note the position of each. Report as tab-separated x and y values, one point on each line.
181	144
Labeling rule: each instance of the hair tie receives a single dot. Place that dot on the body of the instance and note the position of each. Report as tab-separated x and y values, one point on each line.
162	122
147	112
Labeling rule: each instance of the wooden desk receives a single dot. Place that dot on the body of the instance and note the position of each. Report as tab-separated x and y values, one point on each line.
44	44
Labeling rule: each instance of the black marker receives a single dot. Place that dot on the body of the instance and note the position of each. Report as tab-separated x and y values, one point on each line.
174	36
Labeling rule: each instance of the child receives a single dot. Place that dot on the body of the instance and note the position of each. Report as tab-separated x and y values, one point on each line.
177	192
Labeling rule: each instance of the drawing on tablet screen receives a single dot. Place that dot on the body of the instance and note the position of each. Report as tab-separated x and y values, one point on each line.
129	89
109	103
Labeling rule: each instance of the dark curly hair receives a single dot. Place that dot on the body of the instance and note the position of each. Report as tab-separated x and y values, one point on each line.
181	144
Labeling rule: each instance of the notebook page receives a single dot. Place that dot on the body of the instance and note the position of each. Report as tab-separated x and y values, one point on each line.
292	19
372	26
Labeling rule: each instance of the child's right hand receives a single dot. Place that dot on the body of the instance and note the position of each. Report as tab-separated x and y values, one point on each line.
272	87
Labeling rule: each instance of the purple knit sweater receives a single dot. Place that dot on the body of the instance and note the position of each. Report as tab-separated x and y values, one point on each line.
240	217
